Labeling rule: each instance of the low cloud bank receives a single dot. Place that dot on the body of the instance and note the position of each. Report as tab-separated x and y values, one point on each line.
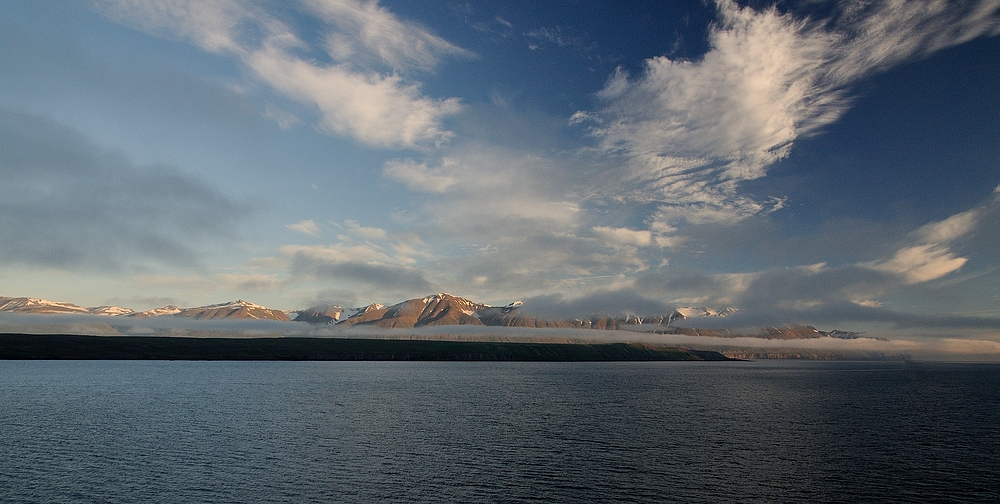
984	348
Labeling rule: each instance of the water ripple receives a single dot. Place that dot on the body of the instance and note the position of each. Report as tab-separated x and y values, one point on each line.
498	432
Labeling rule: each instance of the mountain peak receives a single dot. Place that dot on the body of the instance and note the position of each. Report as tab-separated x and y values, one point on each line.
36	305
110	311
156	312
320	314
239	303
239	309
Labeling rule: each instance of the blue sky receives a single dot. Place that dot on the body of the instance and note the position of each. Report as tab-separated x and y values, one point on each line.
833	163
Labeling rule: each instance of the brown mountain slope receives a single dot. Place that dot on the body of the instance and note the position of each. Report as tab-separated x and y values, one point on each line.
320	314
235	310
35	305
438	309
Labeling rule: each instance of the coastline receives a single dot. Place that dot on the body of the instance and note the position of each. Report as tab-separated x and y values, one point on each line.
15	346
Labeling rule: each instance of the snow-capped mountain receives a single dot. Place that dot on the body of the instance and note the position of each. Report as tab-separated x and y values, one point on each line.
433	310
35	305
446	309
233	310
701	311
320	314
437	309
157	312
110	311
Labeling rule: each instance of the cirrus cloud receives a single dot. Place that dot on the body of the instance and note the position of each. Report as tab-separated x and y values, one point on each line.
690	131
379	109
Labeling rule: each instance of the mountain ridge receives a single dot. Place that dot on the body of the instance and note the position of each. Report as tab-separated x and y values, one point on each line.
436	309
441	309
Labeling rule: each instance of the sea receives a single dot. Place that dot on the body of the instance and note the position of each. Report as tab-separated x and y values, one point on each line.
374	432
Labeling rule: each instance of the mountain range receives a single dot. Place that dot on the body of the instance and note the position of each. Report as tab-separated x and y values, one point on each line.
440	309
434	310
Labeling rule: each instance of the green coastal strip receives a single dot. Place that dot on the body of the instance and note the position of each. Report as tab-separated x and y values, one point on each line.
72	347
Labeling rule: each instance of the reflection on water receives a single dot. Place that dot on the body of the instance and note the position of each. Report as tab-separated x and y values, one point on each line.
488	432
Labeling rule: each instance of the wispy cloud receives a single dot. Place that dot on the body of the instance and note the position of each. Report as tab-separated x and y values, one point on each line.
638	238
381	110
318	264
504	223
353	97
562	37
366	27
366	232
921	263
691	131
306	227
68	204
420	177
674	143
928	255
248	282
373	264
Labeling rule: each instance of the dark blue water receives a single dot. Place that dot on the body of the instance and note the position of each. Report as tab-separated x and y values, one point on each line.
498	432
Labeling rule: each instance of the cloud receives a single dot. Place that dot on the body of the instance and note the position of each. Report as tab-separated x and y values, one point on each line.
821	296
366	26
639	238
623	235
379	109
952	228
213	24
809	287
364	269
562	37
338	252
284	119
851	293
918	257
366	233
948	348
691	131
928	255
66	203
140	303
252	282
386	276
607	303
921	263
418	176
507	224
306	227
768	80
343	298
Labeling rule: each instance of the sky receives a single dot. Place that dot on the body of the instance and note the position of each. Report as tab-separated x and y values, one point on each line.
817	162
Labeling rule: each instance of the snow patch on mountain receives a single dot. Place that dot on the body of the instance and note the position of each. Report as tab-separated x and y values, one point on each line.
157	312
36	305
232	304
701	311
110	311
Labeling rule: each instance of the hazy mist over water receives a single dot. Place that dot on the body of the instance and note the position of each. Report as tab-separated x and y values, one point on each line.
486	432
919	345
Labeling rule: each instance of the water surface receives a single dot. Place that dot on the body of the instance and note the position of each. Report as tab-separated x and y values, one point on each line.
133	431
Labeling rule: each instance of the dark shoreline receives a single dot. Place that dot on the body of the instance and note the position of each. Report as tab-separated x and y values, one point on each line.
73	347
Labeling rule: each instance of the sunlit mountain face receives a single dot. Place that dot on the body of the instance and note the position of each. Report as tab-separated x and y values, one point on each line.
825	164
440	309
